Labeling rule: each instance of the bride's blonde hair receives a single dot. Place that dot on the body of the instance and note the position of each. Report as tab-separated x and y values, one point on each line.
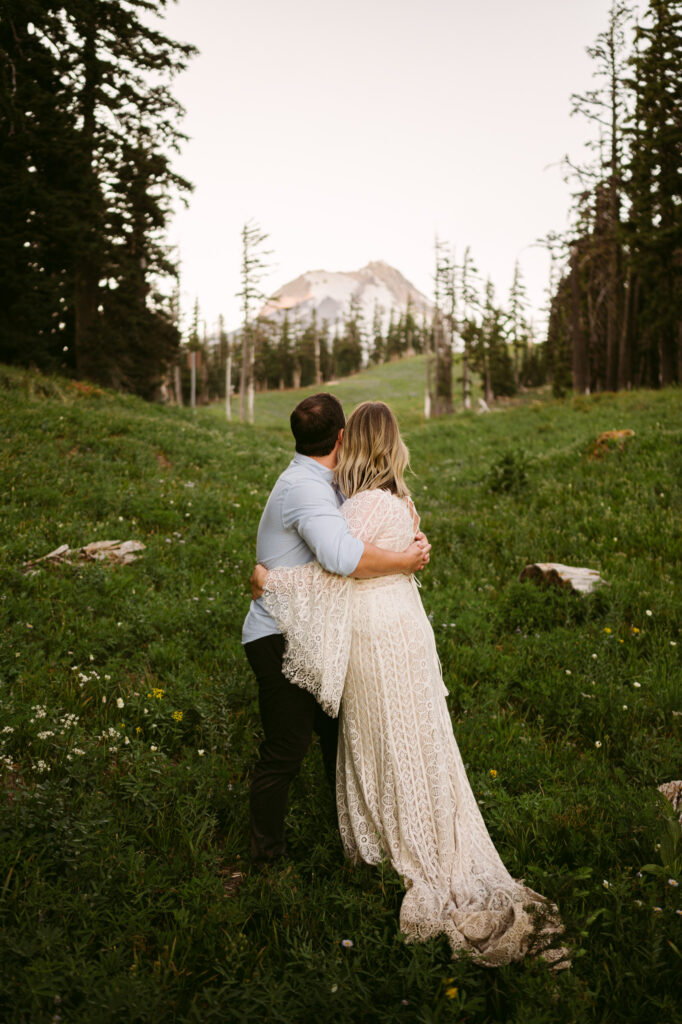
372	453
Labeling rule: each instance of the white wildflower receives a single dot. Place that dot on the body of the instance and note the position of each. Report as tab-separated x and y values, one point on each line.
120	703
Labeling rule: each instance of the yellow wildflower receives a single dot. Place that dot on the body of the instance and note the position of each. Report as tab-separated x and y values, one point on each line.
607	629
177	715
138	729
451	992
635	629
493	772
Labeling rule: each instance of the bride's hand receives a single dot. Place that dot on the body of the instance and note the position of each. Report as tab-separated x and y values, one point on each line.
257	581
418	554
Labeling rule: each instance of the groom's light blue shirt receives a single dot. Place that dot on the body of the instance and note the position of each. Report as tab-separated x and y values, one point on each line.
301	521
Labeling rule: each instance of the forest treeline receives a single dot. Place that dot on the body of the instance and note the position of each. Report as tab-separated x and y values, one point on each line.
88	125
616	313
89	287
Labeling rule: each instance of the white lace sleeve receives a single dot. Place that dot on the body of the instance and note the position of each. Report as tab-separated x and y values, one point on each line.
313	609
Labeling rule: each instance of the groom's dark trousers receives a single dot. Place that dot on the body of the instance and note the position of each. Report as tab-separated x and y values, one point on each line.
289	716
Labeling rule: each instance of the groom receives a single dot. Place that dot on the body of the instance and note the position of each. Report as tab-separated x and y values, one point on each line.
301	522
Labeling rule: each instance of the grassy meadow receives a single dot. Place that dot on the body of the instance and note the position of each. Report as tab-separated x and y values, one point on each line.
129	720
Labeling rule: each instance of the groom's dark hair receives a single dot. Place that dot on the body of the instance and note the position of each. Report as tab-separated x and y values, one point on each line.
315	424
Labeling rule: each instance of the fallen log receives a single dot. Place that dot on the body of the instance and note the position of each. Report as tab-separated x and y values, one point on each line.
114	551
571	577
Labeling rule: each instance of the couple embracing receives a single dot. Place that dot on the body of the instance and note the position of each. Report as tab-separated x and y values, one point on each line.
340	644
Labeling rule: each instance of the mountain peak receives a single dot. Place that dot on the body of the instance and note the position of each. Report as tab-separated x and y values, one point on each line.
376	286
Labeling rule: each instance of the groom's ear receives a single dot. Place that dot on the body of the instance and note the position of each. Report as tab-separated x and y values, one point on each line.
339	439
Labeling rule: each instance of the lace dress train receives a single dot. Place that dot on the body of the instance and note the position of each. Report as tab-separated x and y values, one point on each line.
366	650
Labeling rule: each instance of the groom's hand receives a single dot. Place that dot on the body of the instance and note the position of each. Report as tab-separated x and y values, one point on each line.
257	581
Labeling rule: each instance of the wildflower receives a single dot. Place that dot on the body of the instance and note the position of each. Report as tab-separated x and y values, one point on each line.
138	729
607	629
107	678
113	750
104	699
637	686
120	703
177	715
673	643
45	734
597	744
126	740
635	629
657	910
673	882
201	752
605	884
153	747
639	903
568	671
77	750
625	707
451	992
41	766
334	988
594	656
649	613
493	772
8	728
347	943
679	912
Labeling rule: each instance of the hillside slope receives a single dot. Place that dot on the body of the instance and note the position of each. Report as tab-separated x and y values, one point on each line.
129	721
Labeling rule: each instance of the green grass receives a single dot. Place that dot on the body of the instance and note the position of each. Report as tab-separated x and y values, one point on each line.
115	900
401	383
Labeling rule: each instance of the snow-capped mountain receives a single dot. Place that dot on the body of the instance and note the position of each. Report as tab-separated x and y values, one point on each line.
376	286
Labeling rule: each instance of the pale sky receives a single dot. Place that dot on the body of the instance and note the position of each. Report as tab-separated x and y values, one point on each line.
357	132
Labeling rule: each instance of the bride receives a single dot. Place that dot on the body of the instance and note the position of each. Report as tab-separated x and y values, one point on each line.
367	652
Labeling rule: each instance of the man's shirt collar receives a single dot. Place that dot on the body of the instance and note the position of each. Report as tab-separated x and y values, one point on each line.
305	460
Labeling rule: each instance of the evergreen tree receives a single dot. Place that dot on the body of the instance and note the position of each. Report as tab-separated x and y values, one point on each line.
469	327
493	360
655	194
378	350
254	263
517	322
85	184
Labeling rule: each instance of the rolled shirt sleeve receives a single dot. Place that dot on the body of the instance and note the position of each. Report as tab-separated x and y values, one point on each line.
312	510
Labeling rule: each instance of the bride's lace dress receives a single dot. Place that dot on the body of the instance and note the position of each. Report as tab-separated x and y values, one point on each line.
366	650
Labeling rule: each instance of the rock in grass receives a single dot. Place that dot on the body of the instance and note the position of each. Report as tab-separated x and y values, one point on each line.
604	441
571	577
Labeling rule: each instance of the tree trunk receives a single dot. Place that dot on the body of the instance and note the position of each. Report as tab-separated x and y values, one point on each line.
316	349
178	384
228	385
580	363
624	354
242	376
